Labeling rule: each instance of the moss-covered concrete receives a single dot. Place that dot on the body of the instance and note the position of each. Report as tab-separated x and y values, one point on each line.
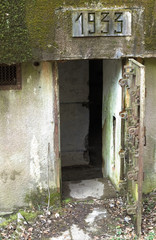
41	29
14	37
38	198
29	216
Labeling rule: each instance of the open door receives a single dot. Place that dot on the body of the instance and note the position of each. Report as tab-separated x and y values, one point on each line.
133	135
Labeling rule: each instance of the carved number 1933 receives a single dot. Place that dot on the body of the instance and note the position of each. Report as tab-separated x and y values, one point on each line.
101	23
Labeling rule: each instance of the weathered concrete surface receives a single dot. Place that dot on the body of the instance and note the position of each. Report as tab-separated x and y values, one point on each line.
149	182
74	233
85	189
92	225
51	38
94	47
74	115
26	127
112	72
45	31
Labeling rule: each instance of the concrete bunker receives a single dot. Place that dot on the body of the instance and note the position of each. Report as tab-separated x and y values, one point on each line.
90	126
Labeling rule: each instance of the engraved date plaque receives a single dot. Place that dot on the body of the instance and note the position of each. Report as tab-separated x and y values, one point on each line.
87	23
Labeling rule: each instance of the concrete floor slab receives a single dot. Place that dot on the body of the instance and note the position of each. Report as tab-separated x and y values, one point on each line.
96	213
74	233
86	189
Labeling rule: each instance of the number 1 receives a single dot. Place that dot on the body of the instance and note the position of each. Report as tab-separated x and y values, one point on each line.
80	20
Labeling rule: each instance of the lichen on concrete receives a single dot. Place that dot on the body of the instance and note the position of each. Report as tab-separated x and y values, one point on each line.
14	36
38	198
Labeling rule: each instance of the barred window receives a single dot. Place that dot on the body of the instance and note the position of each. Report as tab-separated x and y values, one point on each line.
10	76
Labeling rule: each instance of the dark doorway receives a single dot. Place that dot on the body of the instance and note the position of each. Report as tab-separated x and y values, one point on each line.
95	110
81	84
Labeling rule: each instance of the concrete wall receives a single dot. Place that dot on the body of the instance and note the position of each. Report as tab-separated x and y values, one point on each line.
150	122
112	72
74	115
26	128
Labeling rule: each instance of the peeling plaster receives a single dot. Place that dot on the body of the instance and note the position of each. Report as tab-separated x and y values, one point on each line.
29	79
34	91
118	53
4	176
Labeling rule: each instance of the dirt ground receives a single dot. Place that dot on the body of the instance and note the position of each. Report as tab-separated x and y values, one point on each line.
83	220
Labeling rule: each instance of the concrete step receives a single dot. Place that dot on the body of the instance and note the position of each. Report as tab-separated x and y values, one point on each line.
98	188
77	173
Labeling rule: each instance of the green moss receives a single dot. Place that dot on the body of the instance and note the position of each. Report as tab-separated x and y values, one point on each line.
40	198
67	200
10	219
14	37
29	216
150	25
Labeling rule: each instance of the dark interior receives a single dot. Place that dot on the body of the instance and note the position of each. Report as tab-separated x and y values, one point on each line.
95	110
93	169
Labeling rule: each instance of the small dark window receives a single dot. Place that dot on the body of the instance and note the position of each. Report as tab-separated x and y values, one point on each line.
10	77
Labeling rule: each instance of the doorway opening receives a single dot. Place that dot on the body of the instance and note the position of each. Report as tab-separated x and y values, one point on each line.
81	91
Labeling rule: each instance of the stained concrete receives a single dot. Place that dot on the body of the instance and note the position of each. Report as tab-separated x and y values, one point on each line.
149	182
26	127
86	189
94	214
74	233
74	113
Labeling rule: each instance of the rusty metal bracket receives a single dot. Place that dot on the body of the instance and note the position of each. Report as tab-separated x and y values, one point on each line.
133	175
131	209
123	114
133	131
129	70
123	82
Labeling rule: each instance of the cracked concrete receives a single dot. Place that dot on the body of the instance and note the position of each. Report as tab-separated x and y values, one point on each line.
75	233
85	189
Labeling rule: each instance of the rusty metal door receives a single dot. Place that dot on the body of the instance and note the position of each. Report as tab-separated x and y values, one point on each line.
133	135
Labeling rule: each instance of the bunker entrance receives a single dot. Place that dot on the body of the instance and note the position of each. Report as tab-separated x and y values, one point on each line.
102	128
81	84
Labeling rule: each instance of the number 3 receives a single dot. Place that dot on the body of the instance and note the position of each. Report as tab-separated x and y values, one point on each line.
119	22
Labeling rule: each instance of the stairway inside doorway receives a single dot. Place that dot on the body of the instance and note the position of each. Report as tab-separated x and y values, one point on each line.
75	173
